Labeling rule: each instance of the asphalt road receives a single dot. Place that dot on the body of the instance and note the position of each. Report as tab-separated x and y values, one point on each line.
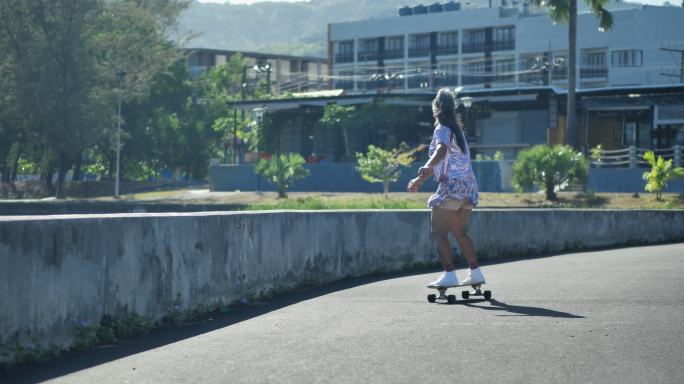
612	316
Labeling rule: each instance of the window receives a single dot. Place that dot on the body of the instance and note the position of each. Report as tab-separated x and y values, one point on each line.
345	52
503	34
504	70
504	38
395	44
368	45
448	39
627	58
345	48
420	41
475	36
474	41
594	60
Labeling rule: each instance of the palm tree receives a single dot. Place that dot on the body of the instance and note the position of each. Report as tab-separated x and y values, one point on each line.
566	10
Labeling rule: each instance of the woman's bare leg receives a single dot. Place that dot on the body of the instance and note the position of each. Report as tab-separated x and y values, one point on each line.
459	228
440	221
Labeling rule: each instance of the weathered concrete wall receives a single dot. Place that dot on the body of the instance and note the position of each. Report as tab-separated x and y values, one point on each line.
58	270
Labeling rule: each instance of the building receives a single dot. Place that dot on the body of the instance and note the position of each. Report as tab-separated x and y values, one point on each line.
518	47
284	73
503	47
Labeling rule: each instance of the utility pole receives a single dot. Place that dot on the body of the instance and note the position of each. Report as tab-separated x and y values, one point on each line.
120	74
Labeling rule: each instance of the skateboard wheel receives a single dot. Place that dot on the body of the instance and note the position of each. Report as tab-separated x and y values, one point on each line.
432	298
487	295
465	295
451	299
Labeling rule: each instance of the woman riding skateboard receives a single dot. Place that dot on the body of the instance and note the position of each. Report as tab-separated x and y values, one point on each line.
456	194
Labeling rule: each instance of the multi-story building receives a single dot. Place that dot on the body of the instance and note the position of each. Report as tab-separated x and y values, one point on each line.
425	48
284	73
493	51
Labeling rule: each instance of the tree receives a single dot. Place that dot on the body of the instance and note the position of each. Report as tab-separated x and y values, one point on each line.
283	171
566	11
660	174
382	166
548	167
340	118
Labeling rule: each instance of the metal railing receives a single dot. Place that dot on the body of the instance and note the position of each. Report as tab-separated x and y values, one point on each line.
633	157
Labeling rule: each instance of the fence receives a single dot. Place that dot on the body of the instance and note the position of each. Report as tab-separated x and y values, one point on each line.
633	157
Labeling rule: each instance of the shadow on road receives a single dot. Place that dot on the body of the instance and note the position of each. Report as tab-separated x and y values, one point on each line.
519	310
75	361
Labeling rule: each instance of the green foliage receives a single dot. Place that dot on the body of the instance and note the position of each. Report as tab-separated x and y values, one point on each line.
382	166
283	171
309	203
498	156
596	153
340	118
548	167
59	66
660	174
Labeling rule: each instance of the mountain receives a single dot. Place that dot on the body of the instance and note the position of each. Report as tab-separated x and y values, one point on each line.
276	27
298	28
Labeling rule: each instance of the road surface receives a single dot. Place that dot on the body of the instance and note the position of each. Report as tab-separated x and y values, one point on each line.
614	316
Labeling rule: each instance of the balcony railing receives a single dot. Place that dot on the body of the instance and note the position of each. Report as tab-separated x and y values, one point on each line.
594	72
532	78
473	46
449	50
393	54
419	52
560	73
419	82
503	45
507	78
367	56
344	85
446	81
344	58
480	46
472	80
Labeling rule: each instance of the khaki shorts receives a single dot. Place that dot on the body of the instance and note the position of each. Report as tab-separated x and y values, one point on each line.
455	205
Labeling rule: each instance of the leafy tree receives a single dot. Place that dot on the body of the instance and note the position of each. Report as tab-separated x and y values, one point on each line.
566	11
283	171
660	174
547	167
340	118
382	166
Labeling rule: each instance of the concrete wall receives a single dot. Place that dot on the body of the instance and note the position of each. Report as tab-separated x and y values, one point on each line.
56	271
624	180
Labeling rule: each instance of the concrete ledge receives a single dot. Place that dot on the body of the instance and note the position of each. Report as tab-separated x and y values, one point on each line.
58	270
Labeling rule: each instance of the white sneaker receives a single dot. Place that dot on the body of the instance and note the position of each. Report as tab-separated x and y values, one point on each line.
474	276
446	279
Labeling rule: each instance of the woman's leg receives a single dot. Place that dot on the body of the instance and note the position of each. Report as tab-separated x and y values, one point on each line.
459	227
441	220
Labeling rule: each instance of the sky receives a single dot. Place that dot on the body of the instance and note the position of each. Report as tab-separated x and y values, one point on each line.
652	2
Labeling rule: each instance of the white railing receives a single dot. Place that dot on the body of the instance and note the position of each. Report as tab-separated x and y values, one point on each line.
633	157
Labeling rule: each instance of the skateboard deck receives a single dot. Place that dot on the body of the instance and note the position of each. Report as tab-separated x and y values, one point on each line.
451	299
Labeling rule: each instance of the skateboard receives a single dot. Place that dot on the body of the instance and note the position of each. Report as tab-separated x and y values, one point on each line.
451	299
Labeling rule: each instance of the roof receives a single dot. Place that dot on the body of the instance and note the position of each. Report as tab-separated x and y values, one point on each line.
496	95
263	55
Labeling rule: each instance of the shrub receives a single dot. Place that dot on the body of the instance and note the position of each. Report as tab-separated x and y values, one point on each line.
381	166
660	174
547	167
283	171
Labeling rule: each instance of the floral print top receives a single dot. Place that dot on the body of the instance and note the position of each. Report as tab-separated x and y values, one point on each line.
454	173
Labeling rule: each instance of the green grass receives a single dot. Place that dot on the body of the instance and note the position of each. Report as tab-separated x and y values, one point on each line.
319	203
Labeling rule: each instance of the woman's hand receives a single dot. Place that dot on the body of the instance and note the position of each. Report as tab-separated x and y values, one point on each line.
415	184
424	171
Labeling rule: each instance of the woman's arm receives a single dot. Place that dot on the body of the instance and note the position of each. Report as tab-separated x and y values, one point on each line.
436	157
